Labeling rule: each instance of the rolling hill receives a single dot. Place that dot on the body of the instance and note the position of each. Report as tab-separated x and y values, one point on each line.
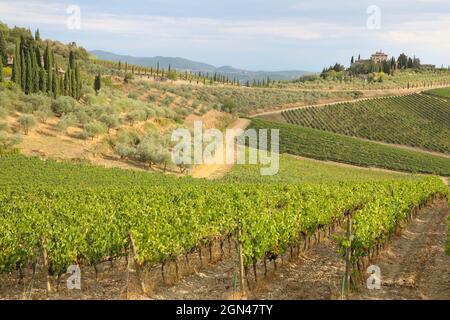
185	64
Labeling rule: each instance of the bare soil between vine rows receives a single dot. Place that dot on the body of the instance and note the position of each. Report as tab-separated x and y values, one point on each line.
413	266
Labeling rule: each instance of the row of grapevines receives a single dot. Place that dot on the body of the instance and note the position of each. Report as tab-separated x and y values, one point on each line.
416	120
325	145
88	225
391	205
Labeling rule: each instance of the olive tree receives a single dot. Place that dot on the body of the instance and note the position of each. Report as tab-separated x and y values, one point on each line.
7	141
27	122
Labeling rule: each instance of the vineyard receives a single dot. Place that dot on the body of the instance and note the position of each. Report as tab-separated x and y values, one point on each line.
69	222
323	145
415	120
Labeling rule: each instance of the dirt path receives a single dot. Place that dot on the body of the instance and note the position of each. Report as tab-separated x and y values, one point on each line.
415	266
215	171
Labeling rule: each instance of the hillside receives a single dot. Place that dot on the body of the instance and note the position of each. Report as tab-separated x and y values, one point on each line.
185	64
323	145
415	120
87	180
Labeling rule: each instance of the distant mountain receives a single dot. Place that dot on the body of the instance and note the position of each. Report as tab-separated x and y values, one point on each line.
189	65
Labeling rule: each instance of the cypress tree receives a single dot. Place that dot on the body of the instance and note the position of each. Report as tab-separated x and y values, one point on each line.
17	72
72	60
67	86
3	47
23	66
78	81
49	68
29	74
35	70
37	35
42	80
73	83
38	56
98	83
62	89
54	85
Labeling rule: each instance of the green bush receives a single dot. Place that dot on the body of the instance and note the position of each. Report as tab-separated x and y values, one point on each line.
63	105
7	141
93	129
66	121
27	122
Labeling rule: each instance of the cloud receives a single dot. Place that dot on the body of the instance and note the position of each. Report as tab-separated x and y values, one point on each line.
430	34
306	32
170	27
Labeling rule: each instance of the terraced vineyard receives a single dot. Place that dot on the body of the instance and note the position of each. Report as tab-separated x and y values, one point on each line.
323	145
415	120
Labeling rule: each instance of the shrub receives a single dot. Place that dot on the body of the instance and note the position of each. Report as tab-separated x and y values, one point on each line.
4	127
93	129
133	95
27	122
38	101
7	141
25	107
125	151
82	117
63	105
82	135
43	112
67	120
150	113
128	137
136	115
110	120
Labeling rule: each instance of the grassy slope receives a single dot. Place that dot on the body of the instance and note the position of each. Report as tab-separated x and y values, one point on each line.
324	145
293	169
414	120
441	92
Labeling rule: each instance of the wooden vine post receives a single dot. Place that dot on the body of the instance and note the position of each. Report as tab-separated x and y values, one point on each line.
241	262
137	266
46	266
348	257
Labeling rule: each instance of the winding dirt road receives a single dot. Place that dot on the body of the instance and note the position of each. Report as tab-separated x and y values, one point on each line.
215	171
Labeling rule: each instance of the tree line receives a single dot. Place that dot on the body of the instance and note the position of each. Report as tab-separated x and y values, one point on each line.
159	73
388	66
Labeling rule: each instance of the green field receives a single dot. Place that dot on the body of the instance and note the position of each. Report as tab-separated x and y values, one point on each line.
323	145
441	92
415	120
90	221
295	170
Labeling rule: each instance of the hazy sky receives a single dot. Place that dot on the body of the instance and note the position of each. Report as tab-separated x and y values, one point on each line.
252	34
